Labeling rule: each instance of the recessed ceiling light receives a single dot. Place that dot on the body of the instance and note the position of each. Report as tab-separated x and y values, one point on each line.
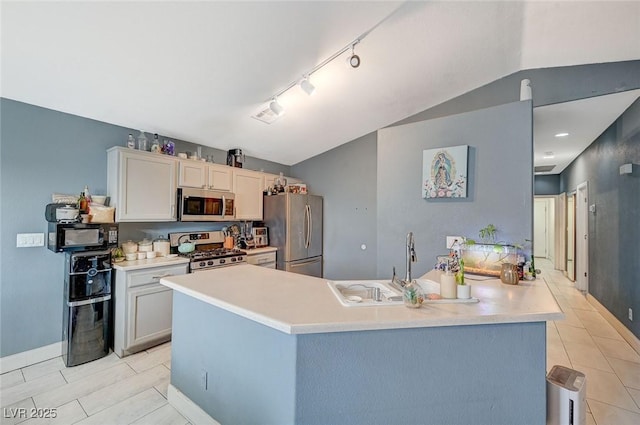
562	134
548	155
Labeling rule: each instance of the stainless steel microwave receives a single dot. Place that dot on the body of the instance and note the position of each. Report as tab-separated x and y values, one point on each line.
65	237
205	205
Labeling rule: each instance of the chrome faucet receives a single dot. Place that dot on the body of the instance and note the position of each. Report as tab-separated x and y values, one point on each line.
411	256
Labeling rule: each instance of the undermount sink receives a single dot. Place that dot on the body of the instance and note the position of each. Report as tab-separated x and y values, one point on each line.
361	293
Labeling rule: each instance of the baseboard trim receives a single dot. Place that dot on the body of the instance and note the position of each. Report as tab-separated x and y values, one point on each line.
628	336
188	408
27	358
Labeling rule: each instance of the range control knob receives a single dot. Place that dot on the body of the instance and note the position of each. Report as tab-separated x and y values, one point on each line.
233	259
202	264
210	263
222	261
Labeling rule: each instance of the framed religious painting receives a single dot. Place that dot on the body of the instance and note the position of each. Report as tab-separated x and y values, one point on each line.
444	172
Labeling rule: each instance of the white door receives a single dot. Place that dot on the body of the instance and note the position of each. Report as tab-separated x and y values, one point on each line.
582	237
540	228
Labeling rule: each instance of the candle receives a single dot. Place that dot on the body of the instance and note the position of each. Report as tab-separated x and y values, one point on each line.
448	285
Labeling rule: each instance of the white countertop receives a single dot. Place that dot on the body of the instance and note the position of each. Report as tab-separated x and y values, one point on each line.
149	263
298	304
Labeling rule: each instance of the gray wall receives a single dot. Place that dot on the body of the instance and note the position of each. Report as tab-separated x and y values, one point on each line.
546	184
614	229
499	187
346	177
45	151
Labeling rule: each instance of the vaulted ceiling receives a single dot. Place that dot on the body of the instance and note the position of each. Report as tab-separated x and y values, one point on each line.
198	71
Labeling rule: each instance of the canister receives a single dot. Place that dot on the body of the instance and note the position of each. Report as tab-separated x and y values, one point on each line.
161	246
145	245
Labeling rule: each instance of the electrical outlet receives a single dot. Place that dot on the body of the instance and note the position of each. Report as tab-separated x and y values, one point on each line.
631	314
452	240
28	240
203	379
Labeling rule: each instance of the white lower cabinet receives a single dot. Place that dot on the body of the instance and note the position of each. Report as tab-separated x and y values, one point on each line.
143	308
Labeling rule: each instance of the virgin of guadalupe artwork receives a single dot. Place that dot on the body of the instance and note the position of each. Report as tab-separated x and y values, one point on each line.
444	172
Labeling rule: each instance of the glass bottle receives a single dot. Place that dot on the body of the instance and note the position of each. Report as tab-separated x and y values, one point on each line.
412	295
131	142
143	142
155	145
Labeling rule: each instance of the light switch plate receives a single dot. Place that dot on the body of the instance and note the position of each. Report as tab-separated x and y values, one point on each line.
29	240
452	239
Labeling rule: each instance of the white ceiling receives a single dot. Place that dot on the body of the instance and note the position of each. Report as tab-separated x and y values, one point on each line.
584	120
197	71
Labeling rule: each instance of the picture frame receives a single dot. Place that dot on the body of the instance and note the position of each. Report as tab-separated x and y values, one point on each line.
444	172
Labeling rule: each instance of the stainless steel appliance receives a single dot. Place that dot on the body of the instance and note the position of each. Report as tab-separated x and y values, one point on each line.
82	236
295	228
235	158
87	328
209	252
260	236
205	205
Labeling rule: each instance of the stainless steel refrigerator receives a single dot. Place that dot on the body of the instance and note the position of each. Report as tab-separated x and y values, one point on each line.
295	228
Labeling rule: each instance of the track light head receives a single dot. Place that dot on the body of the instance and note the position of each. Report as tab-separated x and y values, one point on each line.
353	60
276	107
306	85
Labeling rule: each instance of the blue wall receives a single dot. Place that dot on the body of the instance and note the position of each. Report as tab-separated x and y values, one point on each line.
614	229
546	184
42	152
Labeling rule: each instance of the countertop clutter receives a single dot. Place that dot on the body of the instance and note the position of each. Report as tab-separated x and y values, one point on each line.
149	263
299	304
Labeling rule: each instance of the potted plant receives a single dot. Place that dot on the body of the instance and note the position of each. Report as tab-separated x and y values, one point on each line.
463	290
487	256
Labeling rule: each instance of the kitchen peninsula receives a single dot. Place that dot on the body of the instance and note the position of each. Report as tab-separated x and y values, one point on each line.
260	346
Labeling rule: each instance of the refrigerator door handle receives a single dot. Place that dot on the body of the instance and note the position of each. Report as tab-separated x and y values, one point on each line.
310	225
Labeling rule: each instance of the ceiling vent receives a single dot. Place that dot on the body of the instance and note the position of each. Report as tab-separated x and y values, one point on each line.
265	114
543	168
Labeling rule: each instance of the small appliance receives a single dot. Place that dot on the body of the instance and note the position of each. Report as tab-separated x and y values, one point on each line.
205	205
260	236
65	237
235	158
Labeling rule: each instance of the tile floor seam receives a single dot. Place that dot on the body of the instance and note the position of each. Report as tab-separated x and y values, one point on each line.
613	405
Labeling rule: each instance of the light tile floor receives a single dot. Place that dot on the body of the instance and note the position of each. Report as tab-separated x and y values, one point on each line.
585	341
133	390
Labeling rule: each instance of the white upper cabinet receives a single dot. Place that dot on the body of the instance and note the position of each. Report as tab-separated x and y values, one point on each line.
220	177
141	185
248	186
192	174
202	175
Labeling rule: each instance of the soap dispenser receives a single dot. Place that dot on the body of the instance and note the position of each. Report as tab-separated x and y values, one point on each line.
448	284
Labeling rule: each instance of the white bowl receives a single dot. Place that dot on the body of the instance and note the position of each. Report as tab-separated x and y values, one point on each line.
151	254
130	256
142	255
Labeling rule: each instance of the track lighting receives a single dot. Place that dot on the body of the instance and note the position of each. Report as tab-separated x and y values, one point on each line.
353	60
276	107
306	85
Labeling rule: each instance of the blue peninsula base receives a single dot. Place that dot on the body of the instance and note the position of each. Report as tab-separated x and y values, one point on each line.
242	372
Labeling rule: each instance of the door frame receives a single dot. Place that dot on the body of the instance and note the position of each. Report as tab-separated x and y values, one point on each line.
581	258
570	235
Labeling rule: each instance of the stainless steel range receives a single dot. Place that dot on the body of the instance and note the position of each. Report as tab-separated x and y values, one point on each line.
209	252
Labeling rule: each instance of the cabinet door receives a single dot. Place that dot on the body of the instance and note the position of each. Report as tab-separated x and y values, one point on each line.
220	177
150	313
270	180
146	188
248	187
192	174
267	259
